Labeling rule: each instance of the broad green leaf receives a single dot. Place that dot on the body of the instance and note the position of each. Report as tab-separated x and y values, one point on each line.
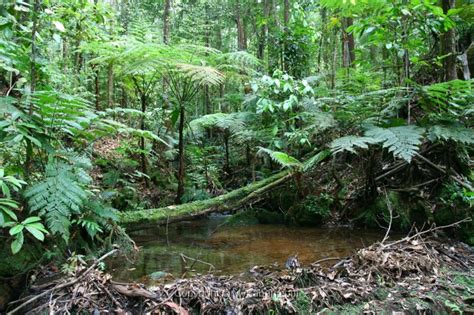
17	244
36	233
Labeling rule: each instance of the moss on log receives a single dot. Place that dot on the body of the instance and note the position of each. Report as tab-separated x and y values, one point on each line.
229	201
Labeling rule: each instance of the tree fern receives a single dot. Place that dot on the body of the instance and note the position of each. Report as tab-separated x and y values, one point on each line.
57	197
402	141
233	122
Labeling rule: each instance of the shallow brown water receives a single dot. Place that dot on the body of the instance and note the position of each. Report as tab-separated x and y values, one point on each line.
233	250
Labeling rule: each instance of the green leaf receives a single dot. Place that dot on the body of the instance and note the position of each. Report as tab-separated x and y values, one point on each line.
10	213
17	244
31	220
16	229
36	233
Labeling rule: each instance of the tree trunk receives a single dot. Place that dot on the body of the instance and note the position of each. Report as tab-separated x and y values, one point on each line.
181	160
166	22
449	46
264	30
110	86
97	88
142	139
33	47
242	42
226	147
286	14
29	146
348	44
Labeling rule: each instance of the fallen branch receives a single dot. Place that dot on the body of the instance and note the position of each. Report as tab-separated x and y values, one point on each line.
442	170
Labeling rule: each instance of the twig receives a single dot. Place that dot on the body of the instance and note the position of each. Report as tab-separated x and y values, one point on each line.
390	211
328	259
407	239
64	285
211	266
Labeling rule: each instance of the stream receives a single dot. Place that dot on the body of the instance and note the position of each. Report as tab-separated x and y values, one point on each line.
230	249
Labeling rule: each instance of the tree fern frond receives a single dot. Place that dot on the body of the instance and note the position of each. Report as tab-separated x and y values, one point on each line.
402	141
202	75
350	143
454	133
285	160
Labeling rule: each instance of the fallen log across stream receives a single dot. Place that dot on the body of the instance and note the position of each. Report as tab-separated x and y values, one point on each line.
229	201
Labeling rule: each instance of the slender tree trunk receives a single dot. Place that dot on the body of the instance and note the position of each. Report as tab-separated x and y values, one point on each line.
322	12
142	139
110	86
348	44
242	43
219	38
226	147
264	30
97	88
334	64
286	14
123	100
29	146
449	46
34	30
181	158
166	22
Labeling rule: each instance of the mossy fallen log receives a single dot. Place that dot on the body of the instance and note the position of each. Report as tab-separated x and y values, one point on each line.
229	201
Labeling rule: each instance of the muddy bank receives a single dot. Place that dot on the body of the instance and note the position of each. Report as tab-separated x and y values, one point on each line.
416	273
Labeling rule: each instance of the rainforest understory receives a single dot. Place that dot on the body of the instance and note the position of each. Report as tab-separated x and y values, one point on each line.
118	118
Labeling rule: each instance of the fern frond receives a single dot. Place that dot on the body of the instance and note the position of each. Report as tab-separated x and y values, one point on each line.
57	197
350	143
202	75
402	141
454	133
285	160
